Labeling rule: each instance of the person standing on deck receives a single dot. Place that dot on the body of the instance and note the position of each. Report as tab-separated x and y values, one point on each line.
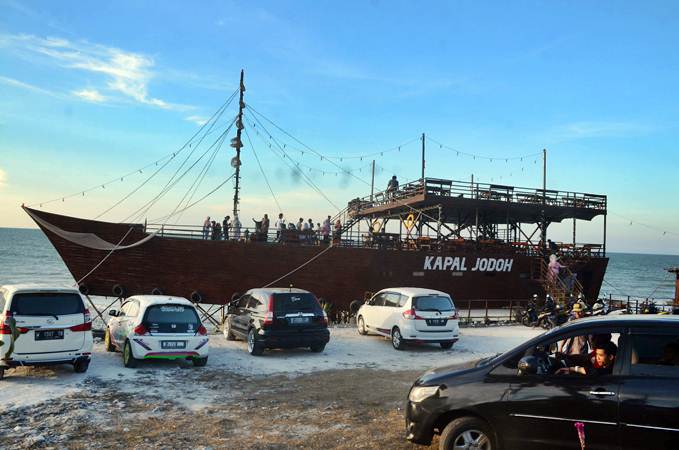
236	228
326	230
338	229
264	228
280	225
206	228
225	227
392	186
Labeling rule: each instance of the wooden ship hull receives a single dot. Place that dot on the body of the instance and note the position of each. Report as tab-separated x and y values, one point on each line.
210	271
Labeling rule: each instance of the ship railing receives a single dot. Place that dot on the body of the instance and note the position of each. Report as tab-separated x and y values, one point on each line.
637	304
357	238
481	191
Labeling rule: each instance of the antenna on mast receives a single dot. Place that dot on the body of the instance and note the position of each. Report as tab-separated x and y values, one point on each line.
237	143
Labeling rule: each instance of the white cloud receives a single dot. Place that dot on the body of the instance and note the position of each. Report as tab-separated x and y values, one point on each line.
198	120
127	74
90	95
27	86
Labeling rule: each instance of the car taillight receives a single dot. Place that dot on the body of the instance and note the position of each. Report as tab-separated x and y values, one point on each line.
324	319
268	317
87	325
140	330
454	316
411	315
202	330
4	325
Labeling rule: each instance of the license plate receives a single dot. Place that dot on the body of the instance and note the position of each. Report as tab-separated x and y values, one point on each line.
436	322
48	335
298	320
172	344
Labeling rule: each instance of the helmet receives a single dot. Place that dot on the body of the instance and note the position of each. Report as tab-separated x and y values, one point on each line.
580	296
597	308
577	308
535	295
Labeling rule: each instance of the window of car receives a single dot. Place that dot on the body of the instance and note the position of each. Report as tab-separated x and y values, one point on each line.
576	351
402	300
378	300
433	303
655	355
243	301
392	299
253	302
132	309
285	303
171	314
47	304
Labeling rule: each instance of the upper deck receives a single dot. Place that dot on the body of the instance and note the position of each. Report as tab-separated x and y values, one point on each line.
492	201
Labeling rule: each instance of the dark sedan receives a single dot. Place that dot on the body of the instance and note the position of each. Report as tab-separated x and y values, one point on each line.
618	377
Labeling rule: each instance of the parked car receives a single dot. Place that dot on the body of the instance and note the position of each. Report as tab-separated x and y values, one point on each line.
410	315
44	326
624	389
157	327
277	318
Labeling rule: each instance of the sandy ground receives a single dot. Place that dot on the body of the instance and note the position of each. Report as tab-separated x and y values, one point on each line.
349	396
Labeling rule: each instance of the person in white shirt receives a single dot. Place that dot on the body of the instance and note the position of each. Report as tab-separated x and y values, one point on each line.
236	228
280	225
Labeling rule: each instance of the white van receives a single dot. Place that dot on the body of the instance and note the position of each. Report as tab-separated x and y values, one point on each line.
44	326
410	315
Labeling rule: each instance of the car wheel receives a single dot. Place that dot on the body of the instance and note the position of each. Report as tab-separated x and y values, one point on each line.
545	324
254	348
467	432
447	345
81	366
361	326
107	341
228	334
318	348
200	362
397	339
128	358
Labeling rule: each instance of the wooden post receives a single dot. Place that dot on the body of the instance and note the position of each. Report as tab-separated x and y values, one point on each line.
544	199
423	159
372	182
238	144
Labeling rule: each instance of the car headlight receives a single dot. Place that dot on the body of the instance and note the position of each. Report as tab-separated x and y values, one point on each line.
419	393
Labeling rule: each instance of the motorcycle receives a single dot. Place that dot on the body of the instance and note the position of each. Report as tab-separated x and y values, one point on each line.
554	317
529	316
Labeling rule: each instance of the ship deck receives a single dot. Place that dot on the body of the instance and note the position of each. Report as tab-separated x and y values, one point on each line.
459	201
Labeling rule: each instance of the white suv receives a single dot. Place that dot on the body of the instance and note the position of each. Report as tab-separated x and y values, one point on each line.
157	327
44	326
410	315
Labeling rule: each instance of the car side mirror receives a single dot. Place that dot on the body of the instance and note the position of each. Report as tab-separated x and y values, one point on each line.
528	365
113	313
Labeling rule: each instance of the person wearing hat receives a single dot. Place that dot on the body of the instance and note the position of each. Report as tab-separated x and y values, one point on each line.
576	345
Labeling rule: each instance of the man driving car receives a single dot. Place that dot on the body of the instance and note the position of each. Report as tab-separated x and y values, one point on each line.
602	363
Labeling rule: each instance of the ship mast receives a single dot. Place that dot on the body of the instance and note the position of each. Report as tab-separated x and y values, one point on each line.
237	144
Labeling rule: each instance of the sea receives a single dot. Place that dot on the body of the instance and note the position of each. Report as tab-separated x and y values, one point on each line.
26	256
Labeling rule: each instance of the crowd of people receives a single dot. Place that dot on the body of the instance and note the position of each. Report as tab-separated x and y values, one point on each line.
303	231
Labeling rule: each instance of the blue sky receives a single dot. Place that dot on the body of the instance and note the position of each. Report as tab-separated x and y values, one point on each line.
92	90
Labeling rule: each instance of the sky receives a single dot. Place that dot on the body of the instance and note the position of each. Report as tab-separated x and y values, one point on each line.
91	92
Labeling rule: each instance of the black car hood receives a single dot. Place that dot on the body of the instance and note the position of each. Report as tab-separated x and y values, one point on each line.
432	376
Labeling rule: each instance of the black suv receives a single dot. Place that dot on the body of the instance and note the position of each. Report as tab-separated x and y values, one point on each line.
617	376
277	318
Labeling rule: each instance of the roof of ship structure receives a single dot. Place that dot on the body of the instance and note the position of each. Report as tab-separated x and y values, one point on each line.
460	201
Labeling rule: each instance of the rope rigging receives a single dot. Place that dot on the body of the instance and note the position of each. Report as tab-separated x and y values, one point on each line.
266	179
169	157
306	179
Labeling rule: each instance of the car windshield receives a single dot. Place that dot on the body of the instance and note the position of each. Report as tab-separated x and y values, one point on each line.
47	304
433	303
285	303
174	314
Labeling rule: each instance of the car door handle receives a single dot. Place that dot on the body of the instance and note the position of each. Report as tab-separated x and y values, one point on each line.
602	393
